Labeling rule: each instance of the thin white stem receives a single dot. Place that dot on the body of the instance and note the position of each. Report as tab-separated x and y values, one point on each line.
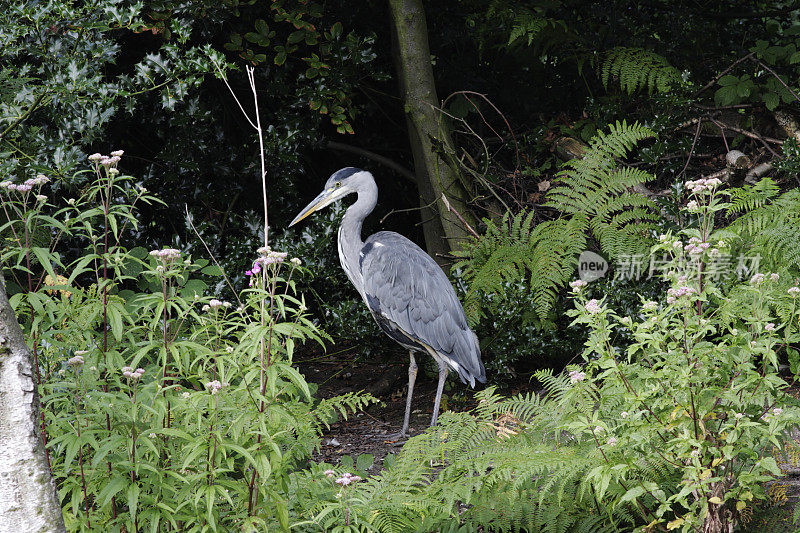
252	79
259	131
225	79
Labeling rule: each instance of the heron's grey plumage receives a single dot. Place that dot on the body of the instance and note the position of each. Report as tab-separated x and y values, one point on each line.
405	287
407	293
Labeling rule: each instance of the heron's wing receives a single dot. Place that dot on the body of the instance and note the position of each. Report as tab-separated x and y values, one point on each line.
405	286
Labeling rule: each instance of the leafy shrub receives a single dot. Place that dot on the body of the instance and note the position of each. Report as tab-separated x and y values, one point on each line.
676	429
698	392
163	408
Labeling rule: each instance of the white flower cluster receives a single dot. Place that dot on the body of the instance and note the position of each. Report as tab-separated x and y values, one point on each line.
593	307
107	161
674	293
347	478
216	304
577	285
27	186
650	305
703	185
272	258
696	246
167	255
575	376
75	361
215	386
130	373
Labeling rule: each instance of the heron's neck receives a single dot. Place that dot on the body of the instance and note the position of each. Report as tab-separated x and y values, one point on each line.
350	243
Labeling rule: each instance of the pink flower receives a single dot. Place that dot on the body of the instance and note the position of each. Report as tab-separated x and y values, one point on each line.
577	285
593	307
575	376
346	478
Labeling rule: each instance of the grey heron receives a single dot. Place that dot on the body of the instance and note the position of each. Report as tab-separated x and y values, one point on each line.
407	293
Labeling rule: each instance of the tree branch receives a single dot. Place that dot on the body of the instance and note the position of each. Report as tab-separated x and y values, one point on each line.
385	161
25	115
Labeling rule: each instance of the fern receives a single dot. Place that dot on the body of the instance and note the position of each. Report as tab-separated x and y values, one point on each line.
592	193
636	69
533	27
504	467
768	225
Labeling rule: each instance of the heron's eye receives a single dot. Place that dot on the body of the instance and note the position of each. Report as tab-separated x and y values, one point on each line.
338	183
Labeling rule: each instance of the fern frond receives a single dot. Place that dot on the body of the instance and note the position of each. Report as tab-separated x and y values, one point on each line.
637	68
594	195
768	225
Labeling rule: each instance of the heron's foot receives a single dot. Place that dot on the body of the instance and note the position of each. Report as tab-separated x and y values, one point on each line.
398	439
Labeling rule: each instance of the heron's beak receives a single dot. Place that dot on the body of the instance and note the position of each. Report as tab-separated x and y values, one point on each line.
324	198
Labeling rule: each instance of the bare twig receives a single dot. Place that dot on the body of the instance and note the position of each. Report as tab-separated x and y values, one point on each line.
211	254
383	160
25	115
456	213
408	210
764	65
764	140
510	129
730	67
691	151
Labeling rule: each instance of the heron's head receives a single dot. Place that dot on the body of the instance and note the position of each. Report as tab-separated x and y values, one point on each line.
340	184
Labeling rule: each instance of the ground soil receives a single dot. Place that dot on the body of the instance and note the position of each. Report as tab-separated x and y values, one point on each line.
373	430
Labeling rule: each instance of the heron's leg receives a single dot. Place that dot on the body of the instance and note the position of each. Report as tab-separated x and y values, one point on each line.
412	377
439	389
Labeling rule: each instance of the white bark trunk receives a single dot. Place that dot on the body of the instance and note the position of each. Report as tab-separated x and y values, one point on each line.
28	498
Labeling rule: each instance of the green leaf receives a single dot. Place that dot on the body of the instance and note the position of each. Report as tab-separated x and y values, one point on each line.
133	500
296	378
212	270
364	461
111	488
771	100
194	287
262	27
283	513
45	257
296	36
632	494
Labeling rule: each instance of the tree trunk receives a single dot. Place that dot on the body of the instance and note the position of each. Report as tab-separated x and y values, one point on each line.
442	228
28	497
